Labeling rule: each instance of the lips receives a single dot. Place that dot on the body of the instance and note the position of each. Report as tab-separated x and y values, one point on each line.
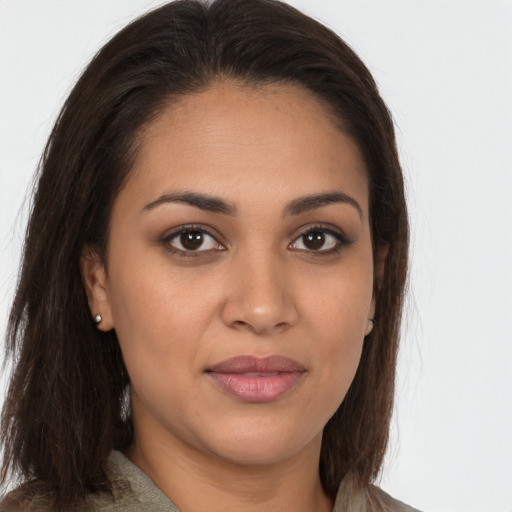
254	379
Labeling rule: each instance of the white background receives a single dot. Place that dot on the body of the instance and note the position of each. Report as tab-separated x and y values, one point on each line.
445	70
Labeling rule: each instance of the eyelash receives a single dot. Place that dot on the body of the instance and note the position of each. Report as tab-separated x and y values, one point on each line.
190	228
340	238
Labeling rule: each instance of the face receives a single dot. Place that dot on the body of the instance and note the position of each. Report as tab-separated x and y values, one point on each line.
240	272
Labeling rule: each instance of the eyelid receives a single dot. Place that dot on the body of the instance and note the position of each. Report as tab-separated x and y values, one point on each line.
328	229
175	232
342	239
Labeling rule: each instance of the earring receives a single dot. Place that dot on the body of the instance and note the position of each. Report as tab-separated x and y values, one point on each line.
97	319
369	328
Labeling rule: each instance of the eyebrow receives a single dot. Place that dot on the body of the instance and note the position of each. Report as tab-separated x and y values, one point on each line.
307	203
201	201
217	205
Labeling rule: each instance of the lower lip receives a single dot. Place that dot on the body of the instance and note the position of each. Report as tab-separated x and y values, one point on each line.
257	389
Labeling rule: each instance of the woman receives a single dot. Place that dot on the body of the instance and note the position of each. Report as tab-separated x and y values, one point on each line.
208	311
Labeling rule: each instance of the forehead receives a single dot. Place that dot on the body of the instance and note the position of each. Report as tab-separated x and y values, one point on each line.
241	141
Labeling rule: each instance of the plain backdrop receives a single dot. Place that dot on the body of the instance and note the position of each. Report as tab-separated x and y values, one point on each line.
445	69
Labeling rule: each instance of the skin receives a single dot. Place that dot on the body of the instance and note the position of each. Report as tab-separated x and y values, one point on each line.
256	289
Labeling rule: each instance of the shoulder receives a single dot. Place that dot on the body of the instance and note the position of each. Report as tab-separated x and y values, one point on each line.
368	499
388	503
32	496
131	491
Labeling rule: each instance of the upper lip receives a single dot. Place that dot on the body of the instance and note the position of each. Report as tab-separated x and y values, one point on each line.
253	364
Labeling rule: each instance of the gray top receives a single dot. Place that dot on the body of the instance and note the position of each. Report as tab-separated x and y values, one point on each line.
134	491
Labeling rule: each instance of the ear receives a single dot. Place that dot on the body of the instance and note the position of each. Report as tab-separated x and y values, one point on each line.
95	282
379	263
371	315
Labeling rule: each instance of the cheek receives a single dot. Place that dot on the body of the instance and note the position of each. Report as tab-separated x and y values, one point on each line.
160	313
338	313
145	295
159	328
339	343
337	357
339	302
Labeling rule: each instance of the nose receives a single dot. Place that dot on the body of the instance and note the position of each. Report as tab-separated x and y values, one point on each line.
260	298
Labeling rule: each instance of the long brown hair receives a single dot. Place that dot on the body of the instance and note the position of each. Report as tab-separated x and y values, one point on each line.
63	413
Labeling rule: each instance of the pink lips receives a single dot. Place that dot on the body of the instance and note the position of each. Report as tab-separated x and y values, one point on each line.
254	379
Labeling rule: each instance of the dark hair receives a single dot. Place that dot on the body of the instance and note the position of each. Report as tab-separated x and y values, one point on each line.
63	412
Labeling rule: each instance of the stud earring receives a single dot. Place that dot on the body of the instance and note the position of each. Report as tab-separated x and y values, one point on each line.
369	327
97	319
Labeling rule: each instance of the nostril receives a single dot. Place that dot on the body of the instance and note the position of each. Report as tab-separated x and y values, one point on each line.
239	323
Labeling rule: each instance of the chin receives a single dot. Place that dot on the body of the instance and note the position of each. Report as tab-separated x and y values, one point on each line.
263	446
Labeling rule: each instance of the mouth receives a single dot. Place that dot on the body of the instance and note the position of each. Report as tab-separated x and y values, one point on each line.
257	380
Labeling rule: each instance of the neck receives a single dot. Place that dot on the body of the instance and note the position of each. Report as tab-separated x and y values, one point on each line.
194	480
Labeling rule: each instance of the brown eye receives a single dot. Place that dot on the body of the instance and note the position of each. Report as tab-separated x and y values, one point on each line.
313	240
192	240
320	240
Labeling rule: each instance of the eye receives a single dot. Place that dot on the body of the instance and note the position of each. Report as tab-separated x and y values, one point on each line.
319	240
188	240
